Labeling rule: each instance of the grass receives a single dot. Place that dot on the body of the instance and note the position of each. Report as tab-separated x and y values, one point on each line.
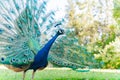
57	74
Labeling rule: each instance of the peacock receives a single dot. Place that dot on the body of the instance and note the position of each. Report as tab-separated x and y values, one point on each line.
28	36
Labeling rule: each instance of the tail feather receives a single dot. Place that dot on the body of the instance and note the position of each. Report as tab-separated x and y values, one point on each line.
25	27
64	62
66	52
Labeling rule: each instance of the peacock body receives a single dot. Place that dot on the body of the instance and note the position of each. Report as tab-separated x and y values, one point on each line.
25	32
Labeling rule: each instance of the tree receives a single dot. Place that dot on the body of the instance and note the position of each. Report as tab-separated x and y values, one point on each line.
94	26
110	54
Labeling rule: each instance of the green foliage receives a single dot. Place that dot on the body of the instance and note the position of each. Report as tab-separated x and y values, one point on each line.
106	38
116	11
94	34
110	55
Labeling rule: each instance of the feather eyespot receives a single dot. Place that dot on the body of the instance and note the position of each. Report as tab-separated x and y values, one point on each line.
58	63
24	61
68	64
1	31
2	59
65	64
16	60
13	60
9	27
72	65
24	45
10	39
8	47
30	59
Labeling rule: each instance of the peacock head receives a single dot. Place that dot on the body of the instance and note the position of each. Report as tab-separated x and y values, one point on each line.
60	32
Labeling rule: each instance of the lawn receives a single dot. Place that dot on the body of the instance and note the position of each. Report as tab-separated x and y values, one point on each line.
60	74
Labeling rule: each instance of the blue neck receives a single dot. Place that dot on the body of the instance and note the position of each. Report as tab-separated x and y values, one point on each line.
43	53
50	42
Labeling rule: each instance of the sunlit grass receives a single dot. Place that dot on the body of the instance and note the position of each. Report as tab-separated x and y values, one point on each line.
57	74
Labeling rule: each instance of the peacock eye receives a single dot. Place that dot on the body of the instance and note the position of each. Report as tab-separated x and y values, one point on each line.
10	39
1	31
58	63
13	60
24	61
16	60
30	59
2	59
65	64
8	47
72	65
9	27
